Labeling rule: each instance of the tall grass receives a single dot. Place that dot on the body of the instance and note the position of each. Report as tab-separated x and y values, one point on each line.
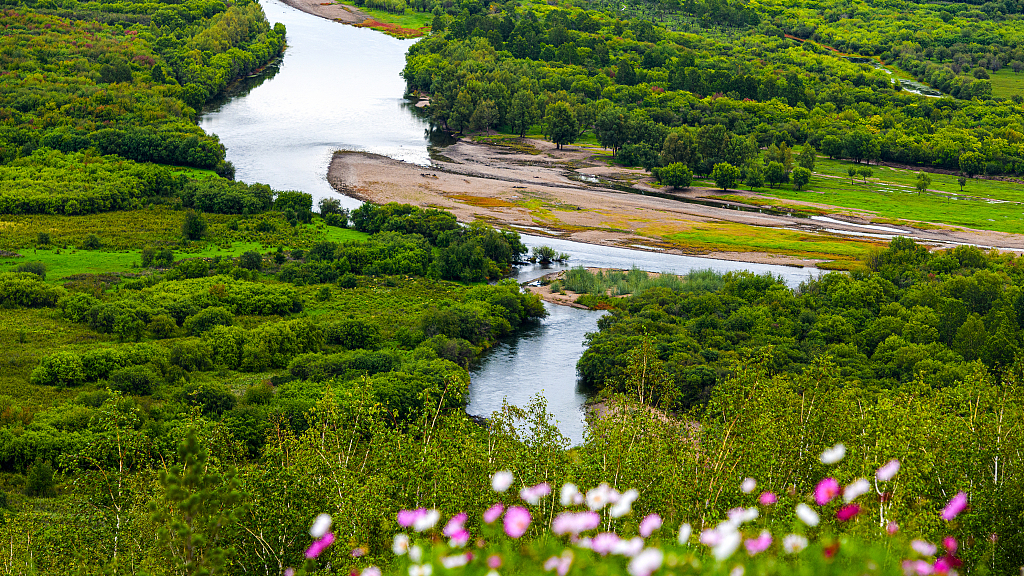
636	281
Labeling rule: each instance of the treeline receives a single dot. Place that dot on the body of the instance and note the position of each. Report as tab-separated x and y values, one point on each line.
909	315
562	70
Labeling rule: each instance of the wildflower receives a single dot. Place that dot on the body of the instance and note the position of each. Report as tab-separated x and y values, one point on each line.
492	573
574	523
561	564
400	545
950	544
892	528
501	480
793	543
825	491
370	571
421	570
947	563
729	542
426	520
710	537
597	498
551	563
320	526
533	494
455	524
646	562
493	513
830	550
748	485
570	495
742	515
624	504
847	512
955	506
459	539
833	454
888	470
319	545
757	545
806	515
494	561
517	520
855	490
407	517
684	533
767	499
919	567
604	543
416	553
923	548
738	570
455	561
649	524
628	548
359	551
289	572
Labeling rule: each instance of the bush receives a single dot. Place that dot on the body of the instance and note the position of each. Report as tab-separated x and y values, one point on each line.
27	290
147	256
676	175
91	242
39	480
191	356
137	380
162	326
60	369
164	258
212	399
208	318
347	280
251	260
194	225
43	239
37	268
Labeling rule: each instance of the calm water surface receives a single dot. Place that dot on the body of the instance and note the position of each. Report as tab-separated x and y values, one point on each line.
338	88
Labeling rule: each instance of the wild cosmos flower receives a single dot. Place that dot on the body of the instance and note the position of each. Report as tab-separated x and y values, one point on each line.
950	544
407	517
793	543
847	512
320	526
533	494
888	470
570	495
767	499
493	513
947	564
575	522
560	563
416	553
494	561
501	481
892	528
825	491
628	548
400	545
727	545
757	545
743	515
426	520
955	506
455	524
919	567
646	562
748	485
737	570
319	545
459	539
923	548
710	537
517	520
855	490
598	498
604	543
684	533
421	570
624	504
370	571
649	524
456	560
806	514
833	454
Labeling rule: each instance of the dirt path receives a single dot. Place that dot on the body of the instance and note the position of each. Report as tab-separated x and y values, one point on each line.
329	10
572	193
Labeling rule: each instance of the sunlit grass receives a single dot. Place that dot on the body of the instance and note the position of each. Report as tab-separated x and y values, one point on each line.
1006	83
708	237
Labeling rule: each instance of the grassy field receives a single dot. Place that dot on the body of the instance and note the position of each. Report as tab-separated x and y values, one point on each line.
1006	83
716	236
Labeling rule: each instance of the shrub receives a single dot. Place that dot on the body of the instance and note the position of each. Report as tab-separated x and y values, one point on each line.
162	326
164	258
147	256
347	280
43	238
676	175
60	369
251	260
91	242
208	318
137	380
212	399
194	225
191	355
22	289
39	480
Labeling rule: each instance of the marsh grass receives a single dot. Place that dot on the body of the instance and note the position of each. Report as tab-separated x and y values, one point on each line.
635	281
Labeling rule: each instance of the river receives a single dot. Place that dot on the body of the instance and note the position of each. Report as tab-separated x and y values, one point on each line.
338	88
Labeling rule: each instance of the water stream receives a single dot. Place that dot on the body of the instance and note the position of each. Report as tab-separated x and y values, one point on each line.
338	88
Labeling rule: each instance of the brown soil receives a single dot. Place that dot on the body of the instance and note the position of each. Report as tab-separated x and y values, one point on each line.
569	297
329	10
574	194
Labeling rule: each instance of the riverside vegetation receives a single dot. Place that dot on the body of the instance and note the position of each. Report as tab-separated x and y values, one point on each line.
196	368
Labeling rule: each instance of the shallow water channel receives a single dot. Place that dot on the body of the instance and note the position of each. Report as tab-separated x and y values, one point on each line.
338	88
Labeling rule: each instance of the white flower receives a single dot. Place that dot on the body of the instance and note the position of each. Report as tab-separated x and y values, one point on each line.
628	548
370	571
646	562
501	480
455	561
806	515
748	485
856	489
416	553
400	545
597	498
569	495
793	543
888	470
728	544
684	533
320	526
421	570
739	570
833	454
624	504
743	515
493	573
923	548
426	520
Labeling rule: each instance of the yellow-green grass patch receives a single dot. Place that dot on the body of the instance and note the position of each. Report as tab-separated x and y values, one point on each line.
730	237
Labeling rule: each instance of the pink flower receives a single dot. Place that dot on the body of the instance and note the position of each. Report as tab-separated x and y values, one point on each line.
847	512
955	506
888	470
407	517
748	485
517	520
649	524
947	563
923	548
561	564
494	561
358	552
318	546
604	542
920	567
767	499
757	545
825	491
646	563
455	524
575	522
493	513
459	539
892	528
370	571
533	494
950	544
628	548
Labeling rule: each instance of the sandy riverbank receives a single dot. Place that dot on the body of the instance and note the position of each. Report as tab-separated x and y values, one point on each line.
329	10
